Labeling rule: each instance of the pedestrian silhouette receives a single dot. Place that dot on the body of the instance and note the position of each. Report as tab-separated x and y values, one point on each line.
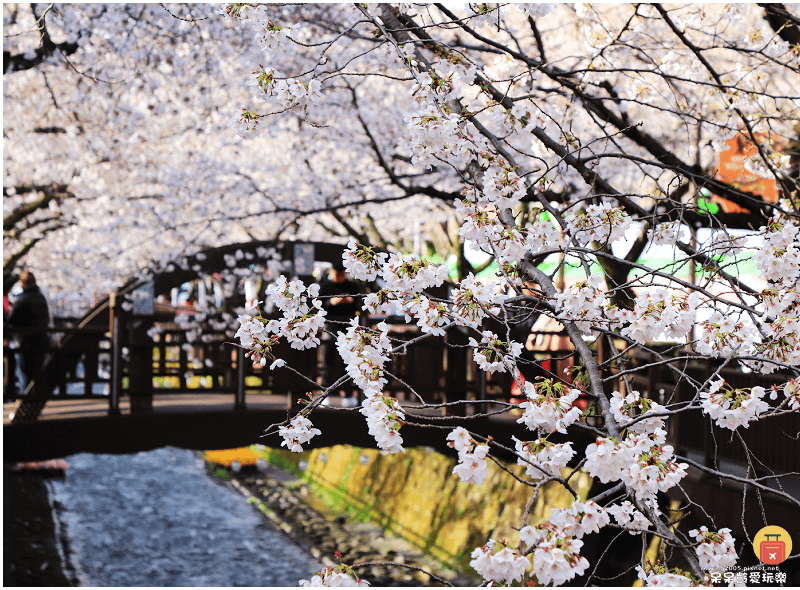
29	318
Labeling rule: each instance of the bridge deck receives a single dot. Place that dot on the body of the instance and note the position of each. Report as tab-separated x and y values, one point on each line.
79	407
206	421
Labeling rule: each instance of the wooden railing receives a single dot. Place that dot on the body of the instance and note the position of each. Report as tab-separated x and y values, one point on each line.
142	357
694	434
81	369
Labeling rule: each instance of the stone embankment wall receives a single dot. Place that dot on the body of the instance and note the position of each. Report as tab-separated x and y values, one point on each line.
415	495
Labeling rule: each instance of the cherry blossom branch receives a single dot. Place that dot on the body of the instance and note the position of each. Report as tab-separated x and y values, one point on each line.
415	568
743	480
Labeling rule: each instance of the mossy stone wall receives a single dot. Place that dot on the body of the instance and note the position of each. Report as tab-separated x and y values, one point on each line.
416	496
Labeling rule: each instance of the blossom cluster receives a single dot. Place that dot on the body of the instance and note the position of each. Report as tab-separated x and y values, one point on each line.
405	276
602	223
659	313
641	461
632	406
580	519
549	406
780	302
410	274
472	466
268	85
474	299
268	34
303	316
665	234
434	134
362	262
365	353
493	354
497	562
542	458
662	576
542	234
730	407
432	316
384	417
628	517
336	577
245	124
723	336
299	431
436	131
482	227
583	304
715	551
781	344
255	338
502	187
556	553
779	256
791	389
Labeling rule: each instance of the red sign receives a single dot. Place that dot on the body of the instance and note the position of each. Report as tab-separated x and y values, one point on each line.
732	171
773	552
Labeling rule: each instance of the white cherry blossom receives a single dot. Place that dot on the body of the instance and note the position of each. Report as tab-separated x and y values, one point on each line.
549	406
715	551
732	408
299	431
498	563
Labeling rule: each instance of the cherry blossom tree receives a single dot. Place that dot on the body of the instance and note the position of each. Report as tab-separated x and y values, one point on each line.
118	160
589	134
580	137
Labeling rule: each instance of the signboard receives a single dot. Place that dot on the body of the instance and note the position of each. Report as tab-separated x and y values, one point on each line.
732	171
304	259
143	299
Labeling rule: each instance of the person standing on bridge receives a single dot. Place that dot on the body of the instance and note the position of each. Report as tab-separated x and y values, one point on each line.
9	354
30	318
341	300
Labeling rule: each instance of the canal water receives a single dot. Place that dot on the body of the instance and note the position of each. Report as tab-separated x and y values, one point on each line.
157	518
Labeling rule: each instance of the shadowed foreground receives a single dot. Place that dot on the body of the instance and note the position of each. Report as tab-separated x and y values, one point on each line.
30	556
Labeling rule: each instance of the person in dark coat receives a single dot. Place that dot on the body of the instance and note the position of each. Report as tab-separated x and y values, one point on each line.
29	318
9	354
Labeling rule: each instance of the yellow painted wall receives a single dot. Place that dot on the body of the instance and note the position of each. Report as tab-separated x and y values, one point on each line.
416	496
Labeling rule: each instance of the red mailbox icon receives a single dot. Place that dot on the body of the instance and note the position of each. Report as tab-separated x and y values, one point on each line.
772	552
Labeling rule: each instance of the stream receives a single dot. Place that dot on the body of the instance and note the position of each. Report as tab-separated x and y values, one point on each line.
158	518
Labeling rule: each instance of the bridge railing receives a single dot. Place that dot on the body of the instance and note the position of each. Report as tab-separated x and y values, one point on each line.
170	359
694	435
81	369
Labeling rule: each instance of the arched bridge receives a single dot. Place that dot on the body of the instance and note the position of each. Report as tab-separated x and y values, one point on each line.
143	370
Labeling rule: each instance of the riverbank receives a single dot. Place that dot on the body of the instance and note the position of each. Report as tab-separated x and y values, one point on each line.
30	552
